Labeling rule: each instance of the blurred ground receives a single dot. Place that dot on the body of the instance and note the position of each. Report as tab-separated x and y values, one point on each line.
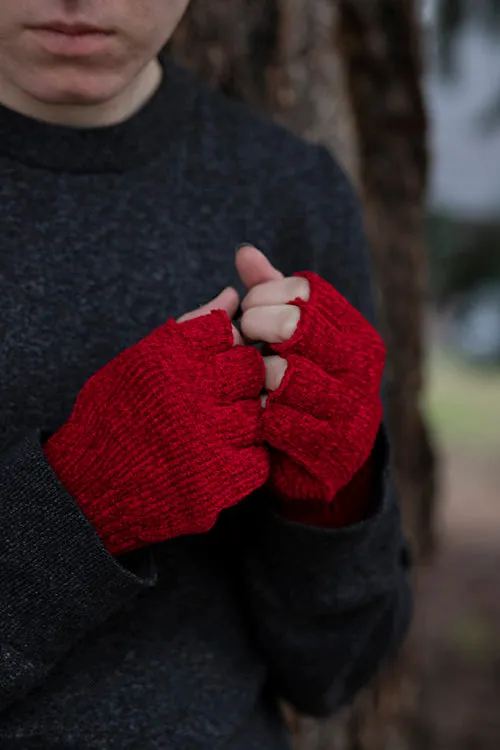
461	603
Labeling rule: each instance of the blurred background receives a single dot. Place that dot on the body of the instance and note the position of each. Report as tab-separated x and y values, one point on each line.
406	93
462	395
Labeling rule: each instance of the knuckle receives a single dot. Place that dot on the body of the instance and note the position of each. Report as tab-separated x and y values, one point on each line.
249	300
289	322
300	288
247	322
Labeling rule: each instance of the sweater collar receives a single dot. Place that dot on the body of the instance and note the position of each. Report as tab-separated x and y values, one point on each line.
117	148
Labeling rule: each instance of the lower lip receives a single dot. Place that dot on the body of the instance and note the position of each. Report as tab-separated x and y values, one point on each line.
71	45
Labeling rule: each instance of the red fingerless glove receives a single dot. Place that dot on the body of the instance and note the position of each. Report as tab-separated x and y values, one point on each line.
323	419
166	435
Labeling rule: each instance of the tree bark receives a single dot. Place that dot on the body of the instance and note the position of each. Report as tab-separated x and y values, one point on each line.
379	44
347	73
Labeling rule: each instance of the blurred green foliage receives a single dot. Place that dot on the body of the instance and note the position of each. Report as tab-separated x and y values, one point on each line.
463	402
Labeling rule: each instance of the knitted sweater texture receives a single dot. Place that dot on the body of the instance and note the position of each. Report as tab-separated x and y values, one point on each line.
187	644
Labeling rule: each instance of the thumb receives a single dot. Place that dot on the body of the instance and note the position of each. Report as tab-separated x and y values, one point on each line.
254	268
228	300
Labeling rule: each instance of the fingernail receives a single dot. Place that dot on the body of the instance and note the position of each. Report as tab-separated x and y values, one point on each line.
244	244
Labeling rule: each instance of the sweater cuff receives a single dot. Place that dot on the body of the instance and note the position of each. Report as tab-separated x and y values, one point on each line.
356	502
56	579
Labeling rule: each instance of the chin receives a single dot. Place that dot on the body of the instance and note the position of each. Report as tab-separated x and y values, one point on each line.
74	88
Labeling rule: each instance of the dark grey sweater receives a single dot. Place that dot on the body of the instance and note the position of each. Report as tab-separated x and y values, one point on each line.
104	234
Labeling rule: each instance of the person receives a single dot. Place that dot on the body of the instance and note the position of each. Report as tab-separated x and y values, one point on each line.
197	521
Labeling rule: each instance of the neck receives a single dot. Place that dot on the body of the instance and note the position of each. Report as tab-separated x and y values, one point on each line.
111	112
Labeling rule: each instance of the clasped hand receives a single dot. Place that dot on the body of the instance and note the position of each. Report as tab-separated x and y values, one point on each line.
171	431
322	407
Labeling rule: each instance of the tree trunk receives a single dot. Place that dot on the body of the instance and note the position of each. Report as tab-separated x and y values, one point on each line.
347	73
379	44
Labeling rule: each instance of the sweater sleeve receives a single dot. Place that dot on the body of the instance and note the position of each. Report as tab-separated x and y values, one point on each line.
328	602
327	606
56	579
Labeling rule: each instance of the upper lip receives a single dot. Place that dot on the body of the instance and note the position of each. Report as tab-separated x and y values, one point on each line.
72	29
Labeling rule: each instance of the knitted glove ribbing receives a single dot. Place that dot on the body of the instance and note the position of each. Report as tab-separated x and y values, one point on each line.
323	419
166	435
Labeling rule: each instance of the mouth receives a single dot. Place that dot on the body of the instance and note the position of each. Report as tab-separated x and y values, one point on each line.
71	39
71	29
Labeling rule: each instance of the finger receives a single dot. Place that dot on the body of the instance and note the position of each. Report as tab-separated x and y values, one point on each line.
307	388
240	374
240	423
208	334
273	324
277	292
275	368
318	438
336	350
227	300
254	268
